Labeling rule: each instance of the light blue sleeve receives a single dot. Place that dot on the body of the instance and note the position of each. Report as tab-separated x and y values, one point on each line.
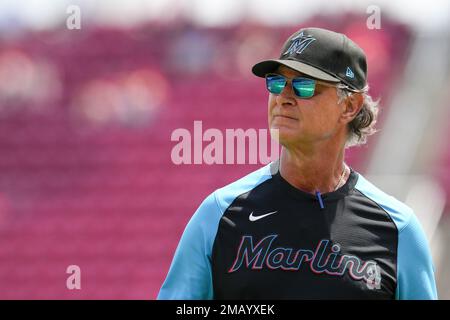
415	274
190	275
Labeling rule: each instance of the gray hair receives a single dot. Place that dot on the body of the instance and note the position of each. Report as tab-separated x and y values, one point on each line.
363	125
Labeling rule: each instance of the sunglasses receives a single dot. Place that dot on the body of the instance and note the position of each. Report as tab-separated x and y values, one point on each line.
303	88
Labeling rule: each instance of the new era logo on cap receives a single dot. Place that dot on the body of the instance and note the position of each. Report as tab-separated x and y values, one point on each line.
349	73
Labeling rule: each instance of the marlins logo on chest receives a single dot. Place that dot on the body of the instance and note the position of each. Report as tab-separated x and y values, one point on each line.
264	255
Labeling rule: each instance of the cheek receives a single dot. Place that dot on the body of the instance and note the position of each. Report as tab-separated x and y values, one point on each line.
271	102
327	114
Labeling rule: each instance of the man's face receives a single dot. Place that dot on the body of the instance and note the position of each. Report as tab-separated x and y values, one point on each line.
301	121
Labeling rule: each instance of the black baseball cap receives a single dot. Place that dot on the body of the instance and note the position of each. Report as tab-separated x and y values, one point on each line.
321	54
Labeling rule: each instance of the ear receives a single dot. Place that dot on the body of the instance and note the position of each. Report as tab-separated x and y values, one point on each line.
352	106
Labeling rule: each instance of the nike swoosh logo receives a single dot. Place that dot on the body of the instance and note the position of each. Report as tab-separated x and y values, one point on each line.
253	218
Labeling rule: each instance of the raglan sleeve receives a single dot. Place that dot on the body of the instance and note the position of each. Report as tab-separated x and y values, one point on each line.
415	270
190	275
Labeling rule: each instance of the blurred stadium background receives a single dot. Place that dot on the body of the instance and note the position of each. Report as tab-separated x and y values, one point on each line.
86	116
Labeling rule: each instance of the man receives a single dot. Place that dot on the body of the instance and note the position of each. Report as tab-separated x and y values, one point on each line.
306	226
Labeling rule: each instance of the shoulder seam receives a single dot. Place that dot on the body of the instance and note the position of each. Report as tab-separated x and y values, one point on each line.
390	217
237	196
379	206
255	185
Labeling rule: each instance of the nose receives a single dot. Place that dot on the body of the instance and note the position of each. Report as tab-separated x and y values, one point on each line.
287	96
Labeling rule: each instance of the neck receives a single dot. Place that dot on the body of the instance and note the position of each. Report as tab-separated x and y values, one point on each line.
316	168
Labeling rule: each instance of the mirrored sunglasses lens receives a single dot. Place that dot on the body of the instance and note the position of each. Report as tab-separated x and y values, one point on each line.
275	84
304	88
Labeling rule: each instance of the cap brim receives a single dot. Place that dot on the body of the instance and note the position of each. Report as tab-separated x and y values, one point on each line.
268	66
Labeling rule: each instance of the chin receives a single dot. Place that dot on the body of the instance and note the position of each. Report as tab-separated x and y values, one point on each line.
283	135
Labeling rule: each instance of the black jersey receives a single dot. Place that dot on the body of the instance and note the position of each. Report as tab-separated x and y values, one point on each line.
262	238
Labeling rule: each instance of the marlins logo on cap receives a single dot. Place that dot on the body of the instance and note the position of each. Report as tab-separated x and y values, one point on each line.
299	43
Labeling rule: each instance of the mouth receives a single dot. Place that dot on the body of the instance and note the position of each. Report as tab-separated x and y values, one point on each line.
285	117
